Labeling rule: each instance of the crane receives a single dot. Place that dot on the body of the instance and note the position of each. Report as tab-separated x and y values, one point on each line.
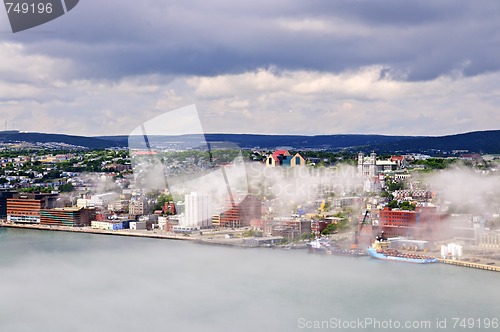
358	231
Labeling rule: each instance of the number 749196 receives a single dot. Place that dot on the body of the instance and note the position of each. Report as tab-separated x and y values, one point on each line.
28	8
475	323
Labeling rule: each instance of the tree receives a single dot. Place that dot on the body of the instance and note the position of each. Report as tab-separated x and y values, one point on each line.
162	199
407	206
393	204
66	188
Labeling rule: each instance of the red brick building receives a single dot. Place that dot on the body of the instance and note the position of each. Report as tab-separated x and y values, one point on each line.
425	223
240	211
26	207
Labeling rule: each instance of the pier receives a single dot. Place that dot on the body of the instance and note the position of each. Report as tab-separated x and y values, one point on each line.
88	230
473	265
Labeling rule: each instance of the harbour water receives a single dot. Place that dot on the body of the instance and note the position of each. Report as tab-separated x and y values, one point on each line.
53	281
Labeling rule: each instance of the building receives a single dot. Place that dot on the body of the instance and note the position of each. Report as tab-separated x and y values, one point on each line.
262	241
371	167
136	207
169	208
26	207
283	158
416	194
399	160
291	229
346	201
120	205
138	225
425	223
398	222
367	166
198	211
72	217
216	220
489	240
4	195
111	225
240	211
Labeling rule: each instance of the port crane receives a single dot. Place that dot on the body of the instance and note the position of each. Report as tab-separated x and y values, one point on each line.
358	231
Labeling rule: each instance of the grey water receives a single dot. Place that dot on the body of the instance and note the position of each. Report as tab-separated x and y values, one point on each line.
54	281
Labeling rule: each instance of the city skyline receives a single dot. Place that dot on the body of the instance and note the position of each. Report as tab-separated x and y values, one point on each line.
282	68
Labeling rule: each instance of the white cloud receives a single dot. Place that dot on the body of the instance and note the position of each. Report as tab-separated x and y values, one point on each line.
334	26
367	100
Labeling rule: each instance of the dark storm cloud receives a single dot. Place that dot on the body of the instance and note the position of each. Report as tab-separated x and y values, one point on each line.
113	39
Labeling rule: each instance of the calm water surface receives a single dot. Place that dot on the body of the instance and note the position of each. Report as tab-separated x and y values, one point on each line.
52	281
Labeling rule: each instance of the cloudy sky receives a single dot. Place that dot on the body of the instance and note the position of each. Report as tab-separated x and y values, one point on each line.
281	66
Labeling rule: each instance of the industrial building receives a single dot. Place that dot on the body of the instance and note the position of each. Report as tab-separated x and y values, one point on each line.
423	223
240	211
26	207
73	217
198	209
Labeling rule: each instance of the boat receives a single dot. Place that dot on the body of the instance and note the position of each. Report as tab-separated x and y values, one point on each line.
380	250
326	247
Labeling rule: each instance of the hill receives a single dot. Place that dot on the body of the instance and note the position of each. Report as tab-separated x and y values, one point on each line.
44	139
480	141
248	141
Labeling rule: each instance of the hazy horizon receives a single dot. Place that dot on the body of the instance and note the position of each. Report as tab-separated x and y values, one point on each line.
255	133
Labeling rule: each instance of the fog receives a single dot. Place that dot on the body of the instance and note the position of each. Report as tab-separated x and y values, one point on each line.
470	190
302	184
52	281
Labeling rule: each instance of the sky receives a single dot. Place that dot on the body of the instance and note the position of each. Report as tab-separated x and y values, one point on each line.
273	67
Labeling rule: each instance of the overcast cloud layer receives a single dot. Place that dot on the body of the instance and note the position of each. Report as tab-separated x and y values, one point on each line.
289	67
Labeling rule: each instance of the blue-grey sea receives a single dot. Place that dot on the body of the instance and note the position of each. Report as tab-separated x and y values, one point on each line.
54	281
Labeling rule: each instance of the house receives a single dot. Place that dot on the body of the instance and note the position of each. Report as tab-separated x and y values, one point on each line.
283	158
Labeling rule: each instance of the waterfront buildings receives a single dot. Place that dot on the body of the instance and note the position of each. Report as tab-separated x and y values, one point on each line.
240	211
425	223
111	225
26	207
70	216
198	211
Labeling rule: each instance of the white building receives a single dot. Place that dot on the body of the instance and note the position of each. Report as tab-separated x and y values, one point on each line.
198	211
371	167
367	166
135	225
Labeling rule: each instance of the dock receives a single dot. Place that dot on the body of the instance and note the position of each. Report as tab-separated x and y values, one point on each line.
473	265
88	230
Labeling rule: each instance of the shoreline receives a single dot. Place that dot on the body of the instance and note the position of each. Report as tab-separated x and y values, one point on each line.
235	243
89	230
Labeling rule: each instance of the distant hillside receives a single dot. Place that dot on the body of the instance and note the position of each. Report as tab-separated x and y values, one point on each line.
33	138
248	141
479	141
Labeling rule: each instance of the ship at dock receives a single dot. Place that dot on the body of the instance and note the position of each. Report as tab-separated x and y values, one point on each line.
380	250
325	247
